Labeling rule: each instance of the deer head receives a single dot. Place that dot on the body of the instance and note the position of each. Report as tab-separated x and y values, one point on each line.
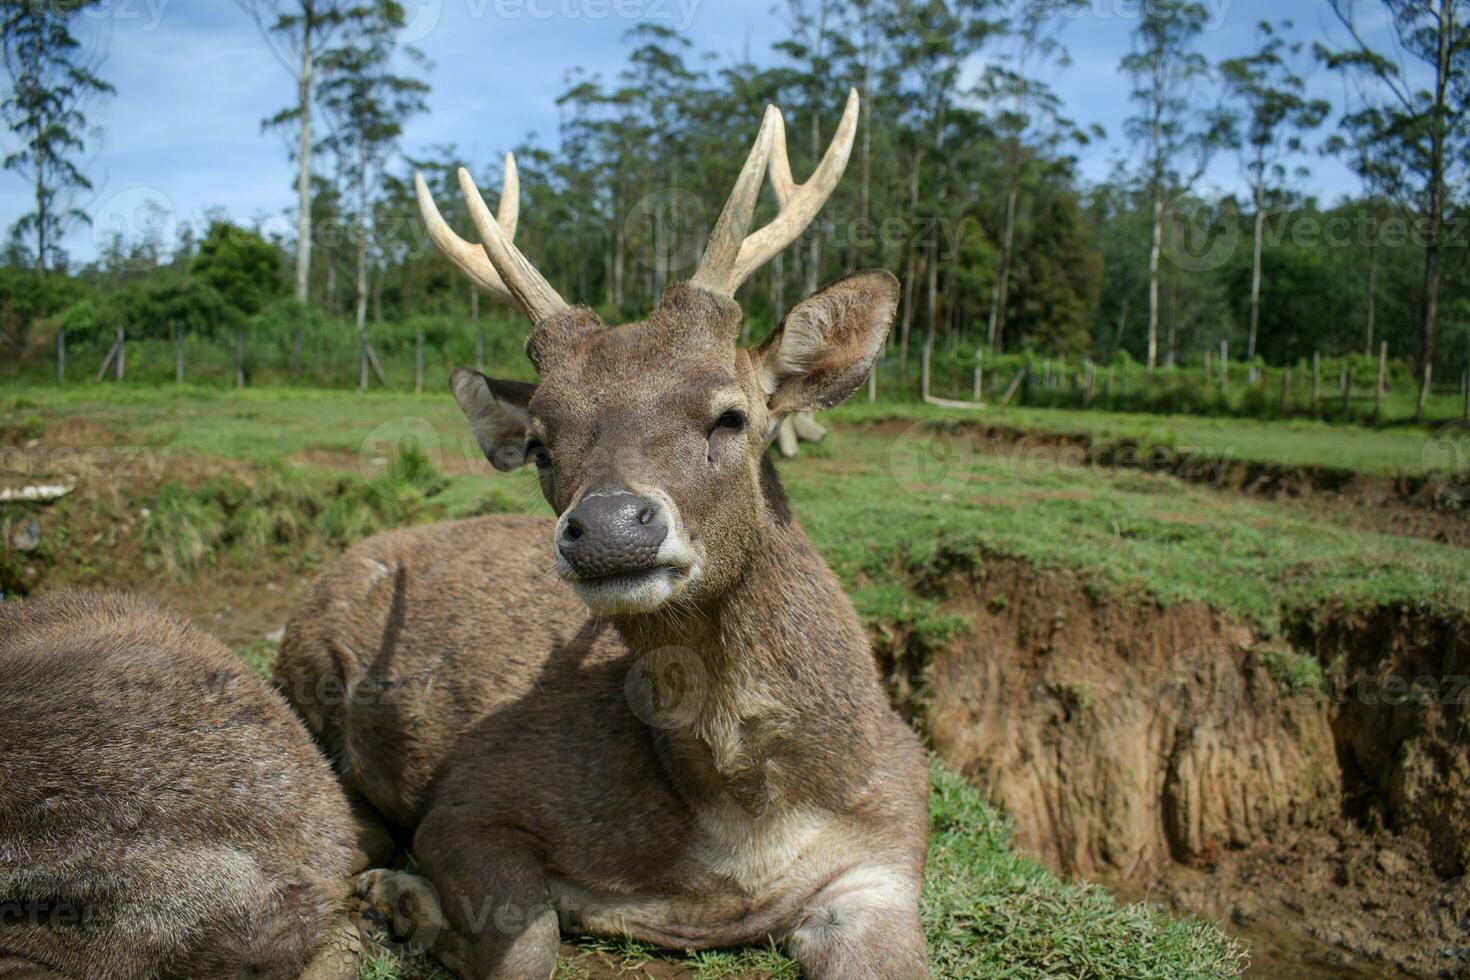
650	437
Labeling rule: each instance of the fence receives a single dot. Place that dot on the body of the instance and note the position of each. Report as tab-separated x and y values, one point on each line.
418	354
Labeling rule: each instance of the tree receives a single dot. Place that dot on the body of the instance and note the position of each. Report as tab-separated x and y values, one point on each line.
51	84
1275	111
298	30
1176	140
238	264
369	102
1426	132
1030	121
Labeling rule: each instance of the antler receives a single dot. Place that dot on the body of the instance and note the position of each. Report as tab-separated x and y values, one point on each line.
496	266
731	256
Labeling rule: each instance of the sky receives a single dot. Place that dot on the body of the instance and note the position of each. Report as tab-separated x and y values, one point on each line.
182	139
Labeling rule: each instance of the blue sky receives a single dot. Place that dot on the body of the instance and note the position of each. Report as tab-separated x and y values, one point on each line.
194	79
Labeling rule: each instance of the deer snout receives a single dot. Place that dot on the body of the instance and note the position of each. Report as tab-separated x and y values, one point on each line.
612	534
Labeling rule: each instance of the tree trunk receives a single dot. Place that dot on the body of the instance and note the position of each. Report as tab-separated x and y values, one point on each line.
1250	343
362	301
1430	311
996	329
1156	247
1372	288
61	355
303	176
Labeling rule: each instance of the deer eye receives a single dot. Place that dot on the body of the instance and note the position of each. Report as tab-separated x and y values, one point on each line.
732	420
538	454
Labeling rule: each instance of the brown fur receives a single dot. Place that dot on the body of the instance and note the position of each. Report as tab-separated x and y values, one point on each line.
162	813
722	769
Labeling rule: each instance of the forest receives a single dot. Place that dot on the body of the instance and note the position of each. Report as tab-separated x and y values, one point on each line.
964	182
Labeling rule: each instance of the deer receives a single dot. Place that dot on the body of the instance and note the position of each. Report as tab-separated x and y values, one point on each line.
655	715
163	814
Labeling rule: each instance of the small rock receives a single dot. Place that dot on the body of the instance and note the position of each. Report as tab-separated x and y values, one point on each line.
27	536
276	635
1393	864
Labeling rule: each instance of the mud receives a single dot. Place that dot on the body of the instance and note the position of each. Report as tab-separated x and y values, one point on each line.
1284	787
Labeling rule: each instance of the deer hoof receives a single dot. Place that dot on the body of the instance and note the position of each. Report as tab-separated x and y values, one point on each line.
407	905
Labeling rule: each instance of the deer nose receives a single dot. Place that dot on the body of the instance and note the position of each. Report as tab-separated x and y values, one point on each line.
612	534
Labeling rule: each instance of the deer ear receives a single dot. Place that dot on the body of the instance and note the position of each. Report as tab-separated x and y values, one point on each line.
498	415
827	344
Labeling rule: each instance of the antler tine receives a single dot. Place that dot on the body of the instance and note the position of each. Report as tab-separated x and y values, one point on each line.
799	203
531	291
470	258
722	252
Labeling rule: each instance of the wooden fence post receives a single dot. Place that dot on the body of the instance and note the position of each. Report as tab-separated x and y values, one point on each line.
1090	376
480	351
873	382
1347	388
418	361
1208	374
239	357
119	366
979	373
1061	371
1285	387
61	355
1224	368
178	353
1382	379
1316	377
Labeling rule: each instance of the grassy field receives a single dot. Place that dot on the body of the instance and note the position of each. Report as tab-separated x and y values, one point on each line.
223	484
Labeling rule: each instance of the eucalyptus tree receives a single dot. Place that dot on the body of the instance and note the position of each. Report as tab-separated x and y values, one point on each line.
1177	139
1273	113
931	41
1029	116
368	101
52	80
1424	131
298	31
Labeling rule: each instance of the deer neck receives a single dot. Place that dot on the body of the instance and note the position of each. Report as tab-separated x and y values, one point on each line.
778	697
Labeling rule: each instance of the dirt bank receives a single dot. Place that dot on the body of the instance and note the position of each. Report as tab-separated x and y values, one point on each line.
1293	779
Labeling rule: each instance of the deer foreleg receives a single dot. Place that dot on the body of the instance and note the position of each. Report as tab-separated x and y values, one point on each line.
863	926
494	896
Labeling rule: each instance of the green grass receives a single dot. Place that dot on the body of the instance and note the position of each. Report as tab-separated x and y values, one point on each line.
1293	443
923	498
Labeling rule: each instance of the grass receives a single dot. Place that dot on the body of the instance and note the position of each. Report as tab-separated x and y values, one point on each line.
1393	451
